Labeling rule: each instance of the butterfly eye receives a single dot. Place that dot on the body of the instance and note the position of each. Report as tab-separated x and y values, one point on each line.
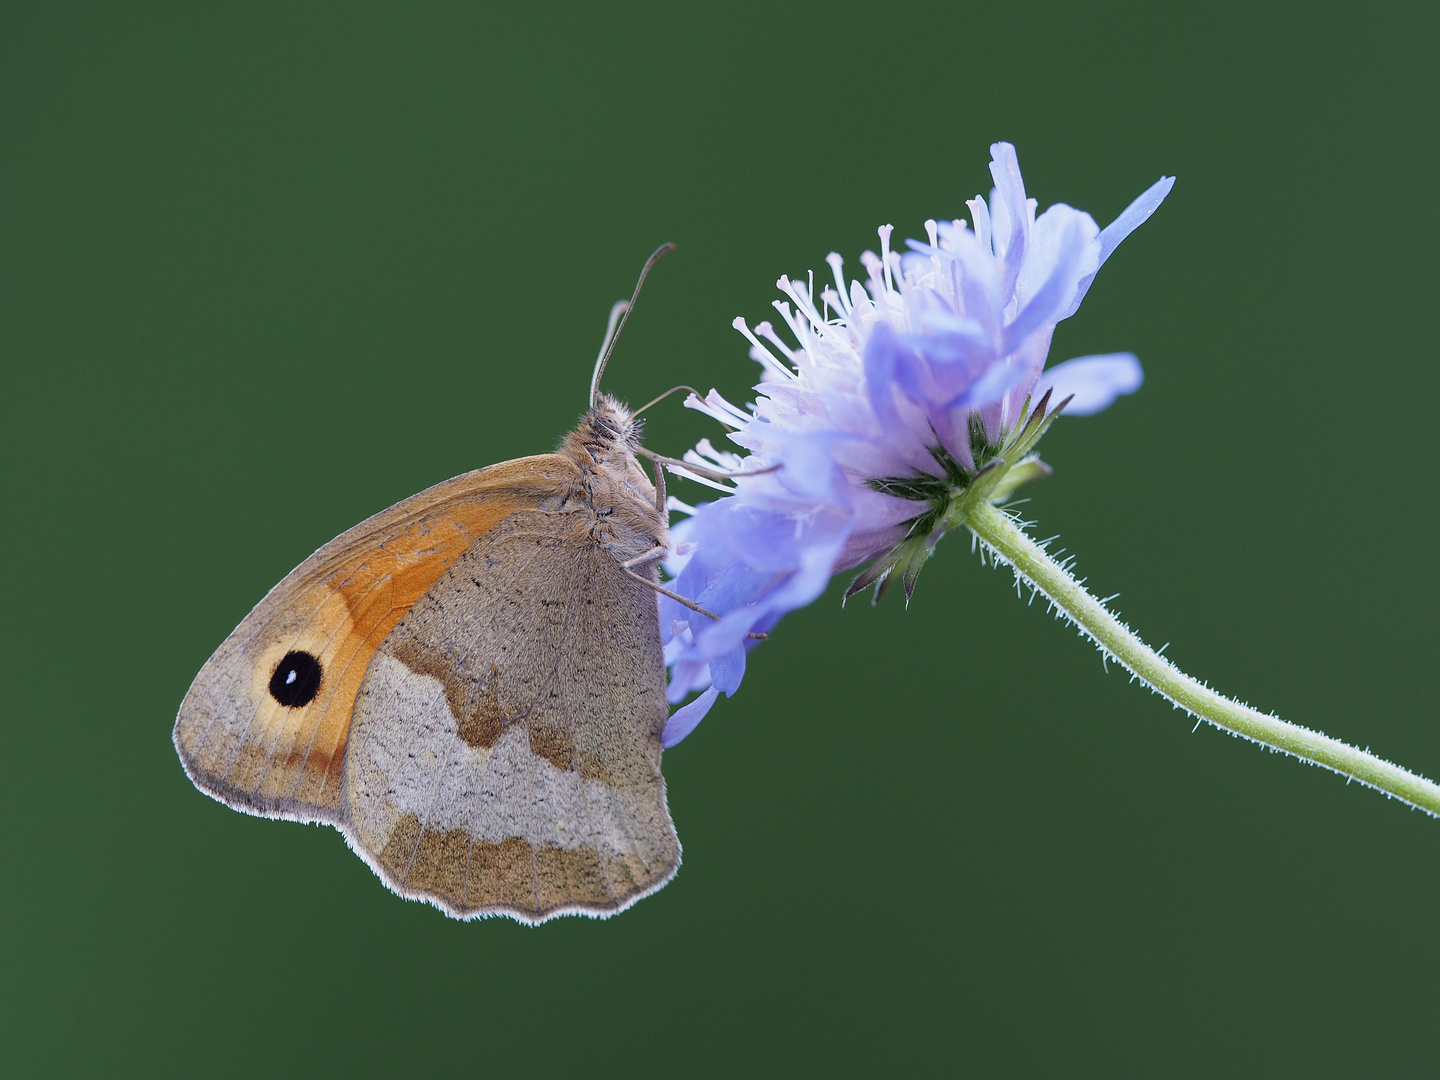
296	680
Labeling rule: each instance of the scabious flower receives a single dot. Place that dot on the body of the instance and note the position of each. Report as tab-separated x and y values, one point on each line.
898	402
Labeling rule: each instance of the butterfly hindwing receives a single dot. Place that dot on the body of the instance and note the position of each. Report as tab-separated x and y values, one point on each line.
505	754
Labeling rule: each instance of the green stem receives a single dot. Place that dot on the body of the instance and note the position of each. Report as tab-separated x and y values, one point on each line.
1009	544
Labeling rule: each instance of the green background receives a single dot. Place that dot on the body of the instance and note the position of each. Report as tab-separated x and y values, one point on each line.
267	270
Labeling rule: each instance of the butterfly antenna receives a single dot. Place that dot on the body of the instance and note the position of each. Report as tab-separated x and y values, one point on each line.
618	314
662	397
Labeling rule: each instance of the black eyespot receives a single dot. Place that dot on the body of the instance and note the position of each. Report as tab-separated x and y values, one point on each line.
296	680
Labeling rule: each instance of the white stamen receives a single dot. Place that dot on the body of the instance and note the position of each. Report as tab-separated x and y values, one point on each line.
885	231
759	352
798	326
837	265
767	331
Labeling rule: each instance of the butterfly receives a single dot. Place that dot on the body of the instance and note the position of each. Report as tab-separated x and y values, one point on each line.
469	685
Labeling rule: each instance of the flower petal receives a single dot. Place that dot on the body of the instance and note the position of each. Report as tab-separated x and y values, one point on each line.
1009	210
1095	381
1071	245
1133	216
727	670
687	718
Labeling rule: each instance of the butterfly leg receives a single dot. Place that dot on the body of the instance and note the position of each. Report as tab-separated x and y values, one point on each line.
683	467
660	489
659	553
653	555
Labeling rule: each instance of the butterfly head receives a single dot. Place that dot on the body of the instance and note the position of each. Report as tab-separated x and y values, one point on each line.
603	447
608	429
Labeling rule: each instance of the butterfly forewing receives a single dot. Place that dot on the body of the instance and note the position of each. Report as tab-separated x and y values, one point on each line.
243	736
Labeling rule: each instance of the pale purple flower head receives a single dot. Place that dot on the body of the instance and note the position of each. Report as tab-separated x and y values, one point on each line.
873	410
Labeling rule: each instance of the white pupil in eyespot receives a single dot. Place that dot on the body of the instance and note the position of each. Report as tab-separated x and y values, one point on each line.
290	677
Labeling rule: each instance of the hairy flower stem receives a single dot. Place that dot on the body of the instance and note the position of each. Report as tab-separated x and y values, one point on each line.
1007	542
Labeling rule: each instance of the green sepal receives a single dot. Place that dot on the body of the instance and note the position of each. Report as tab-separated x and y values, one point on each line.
1022	472
1000	468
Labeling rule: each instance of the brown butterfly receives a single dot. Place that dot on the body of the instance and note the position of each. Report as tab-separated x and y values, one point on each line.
469	685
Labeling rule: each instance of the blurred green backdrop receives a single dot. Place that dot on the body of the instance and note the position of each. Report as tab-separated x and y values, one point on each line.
269	268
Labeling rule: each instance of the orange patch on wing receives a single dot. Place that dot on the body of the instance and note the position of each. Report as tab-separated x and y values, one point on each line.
357	602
